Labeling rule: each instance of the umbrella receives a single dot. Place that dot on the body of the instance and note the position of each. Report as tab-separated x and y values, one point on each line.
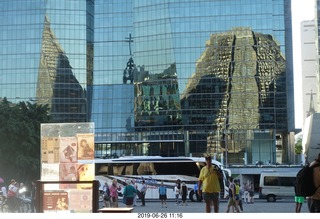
1	180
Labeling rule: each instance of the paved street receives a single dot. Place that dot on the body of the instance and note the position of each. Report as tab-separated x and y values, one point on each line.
260	206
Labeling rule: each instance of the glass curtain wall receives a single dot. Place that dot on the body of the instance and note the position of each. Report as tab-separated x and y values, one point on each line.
163	77
46	54
206	77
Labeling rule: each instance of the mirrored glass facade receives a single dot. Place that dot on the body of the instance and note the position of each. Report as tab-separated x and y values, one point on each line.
46	55
206	77
158	77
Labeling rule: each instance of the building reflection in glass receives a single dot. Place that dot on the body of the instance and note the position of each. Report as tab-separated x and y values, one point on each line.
57	85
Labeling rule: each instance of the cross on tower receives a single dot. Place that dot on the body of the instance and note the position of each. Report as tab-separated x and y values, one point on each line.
128	73
129	40
311	93
311	106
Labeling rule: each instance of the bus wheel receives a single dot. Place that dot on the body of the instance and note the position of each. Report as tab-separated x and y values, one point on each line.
193	196
271	198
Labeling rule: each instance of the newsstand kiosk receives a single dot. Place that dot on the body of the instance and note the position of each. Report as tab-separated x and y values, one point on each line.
67	169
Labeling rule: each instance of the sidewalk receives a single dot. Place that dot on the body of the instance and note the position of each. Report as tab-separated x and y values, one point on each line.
260	206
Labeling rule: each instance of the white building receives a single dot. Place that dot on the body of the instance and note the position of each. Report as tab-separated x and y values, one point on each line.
311	133
308	65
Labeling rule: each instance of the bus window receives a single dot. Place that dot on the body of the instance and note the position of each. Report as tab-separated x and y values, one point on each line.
146	169
103	169
201	165
117	170
129	169
287	181
177	168
271	181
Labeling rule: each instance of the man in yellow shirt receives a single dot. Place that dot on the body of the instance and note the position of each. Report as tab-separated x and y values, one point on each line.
209	180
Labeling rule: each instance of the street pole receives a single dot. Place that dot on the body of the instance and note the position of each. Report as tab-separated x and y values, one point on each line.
226	150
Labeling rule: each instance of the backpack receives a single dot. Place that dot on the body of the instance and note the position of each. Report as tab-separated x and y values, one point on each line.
304	185
106	195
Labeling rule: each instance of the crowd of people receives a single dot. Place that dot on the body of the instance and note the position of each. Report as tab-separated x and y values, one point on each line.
209	180
208	188
16	192
130	193
209	184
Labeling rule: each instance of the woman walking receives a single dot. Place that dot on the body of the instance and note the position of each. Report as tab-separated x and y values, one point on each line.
232	197
114	188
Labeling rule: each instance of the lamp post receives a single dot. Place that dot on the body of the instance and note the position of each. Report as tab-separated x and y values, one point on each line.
226	147
226	155
217	144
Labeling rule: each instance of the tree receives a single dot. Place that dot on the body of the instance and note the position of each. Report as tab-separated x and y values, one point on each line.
298	147
20	126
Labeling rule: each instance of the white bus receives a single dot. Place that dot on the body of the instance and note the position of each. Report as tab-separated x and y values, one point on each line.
156	169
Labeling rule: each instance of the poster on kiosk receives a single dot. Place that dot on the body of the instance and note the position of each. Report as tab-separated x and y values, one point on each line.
67	154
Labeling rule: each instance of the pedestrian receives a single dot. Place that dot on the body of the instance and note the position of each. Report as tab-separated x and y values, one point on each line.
143	191
163	195
314	200
184	192
177	192
240	195
114	188
251	193
22	191
232	196
134	183
195	189
33	203
12	194
298	198
128	193
210	182
246	193
106	195
4	190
